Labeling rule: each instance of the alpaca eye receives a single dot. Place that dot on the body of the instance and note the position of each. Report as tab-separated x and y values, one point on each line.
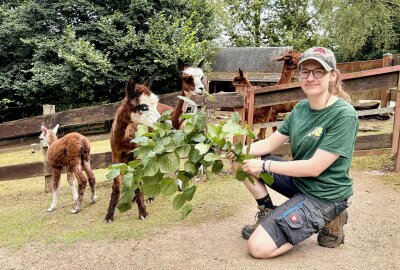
189	79
143	107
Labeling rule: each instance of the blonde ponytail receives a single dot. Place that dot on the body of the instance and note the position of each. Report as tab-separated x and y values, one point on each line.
336	88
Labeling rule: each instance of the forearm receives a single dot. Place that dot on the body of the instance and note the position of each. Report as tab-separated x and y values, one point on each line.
296	168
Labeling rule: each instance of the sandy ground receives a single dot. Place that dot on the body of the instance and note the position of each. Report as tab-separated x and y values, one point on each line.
372	242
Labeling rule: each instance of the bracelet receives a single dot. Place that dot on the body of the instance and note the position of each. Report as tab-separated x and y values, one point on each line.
269	168
263	167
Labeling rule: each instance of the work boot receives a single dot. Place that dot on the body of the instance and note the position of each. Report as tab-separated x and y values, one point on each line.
332	234
249	229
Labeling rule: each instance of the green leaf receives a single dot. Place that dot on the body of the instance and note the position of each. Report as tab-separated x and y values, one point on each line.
159	149
250	133
188	193
127	180
169	162
123	207
151	168
141	141
183	151
189	167
235	117
152	190
250	178
186	210
141	130
188	128
238	148
178	202
187	115
179	137
168	186
127	196
112	174
194	155
202	148
134	163
211	157
267	178
153	180
217	166
240	174
119	166
184	176
198	138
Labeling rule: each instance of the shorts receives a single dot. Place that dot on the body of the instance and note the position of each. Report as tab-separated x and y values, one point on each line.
300	216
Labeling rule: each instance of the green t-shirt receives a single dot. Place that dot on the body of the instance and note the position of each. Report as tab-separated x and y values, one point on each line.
332	129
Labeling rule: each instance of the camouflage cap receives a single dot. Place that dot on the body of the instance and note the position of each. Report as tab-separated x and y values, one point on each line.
323	55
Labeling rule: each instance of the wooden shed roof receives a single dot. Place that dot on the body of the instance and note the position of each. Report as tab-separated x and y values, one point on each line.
256	62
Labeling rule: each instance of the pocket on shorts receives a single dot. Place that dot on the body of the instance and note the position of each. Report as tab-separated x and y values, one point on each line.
300	222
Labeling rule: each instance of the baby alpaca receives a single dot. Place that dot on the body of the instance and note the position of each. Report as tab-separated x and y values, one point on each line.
71	151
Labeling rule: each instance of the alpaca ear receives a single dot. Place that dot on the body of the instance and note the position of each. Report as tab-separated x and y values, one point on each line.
181	65
130	89
44	129
201	64
241	73
55	129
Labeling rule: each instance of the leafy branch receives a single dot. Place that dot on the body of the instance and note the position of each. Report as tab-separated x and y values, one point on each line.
157	165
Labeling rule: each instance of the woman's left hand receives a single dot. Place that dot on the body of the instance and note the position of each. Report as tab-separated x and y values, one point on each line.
252	166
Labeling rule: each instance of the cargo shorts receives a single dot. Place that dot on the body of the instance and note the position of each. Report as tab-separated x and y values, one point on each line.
300	216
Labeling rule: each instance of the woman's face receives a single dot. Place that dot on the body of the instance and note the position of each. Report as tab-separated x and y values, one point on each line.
317	81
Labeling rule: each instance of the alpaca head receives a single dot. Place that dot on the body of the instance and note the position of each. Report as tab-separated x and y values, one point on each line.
143	104
48	136
291	59
192	78
240	78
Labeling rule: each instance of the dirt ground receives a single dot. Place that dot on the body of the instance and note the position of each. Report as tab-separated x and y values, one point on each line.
372	242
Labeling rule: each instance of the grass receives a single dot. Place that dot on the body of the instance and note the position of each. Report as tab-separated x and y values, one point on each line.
383	126
24	217
374	162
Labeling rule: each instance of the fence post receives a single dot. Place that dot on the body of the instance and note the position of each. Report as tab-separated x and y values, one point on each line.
250	111
385	92
396	130
47	109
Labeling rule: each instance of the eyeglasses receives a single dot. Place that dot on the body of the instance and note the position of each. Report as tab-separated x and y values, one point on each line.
317	73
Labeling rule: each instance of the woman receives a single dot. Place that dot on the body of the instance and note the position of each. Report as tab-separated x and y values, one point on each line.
322	131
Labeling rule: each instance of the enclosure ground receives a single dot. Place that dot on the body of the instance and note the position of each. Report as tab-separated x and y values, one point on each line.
371	241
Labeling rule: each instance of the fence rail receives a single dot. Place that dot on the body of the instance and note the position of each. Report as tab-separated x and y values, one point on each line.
381	83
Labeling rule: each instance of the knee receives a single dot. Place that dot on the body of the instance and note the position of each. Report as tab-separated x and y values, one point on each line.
258	249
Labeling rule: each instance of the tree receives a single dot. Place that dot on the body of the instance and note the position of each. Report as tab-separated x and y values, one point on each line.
359	29
80	53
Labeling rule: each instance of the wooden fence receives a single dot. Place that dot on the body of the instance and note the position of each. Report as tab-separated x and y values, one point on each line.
377	84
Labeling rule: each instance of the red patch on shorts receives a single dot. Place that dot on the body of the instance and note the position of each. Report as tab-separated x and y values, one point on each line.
293	218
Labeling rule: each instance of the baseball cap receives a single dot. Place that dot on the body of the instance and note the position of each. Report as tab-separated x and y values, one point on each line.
323	55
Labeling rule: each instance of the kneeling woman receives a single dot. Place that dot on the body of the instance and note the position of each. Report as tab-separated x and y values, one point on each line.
322	131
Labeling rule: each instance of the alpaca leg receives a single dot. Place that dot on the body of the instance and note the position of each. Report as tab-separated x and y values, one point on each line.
141	206
56	188
82	181
71	182
114	199
92	180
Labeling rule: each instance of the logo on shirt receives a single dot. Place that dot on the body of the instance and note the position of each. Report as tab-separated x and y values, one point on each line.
316	133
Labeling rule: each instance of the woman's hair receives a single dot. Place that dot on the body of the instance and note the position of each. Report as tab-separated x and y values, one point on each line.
336	88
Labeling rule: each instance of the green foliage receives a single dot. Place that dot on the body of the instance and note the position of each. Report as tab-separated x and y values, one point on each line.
80	53
159	153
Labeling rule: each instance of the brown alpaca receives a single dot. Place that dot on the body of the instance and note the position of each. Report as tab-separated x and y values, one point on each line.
71	151
141	106
192	84
270	113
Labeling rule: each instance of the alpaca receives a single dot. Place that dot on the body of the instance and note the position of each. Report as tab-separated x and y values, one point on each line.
141	106
71	151
192	84
270	113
